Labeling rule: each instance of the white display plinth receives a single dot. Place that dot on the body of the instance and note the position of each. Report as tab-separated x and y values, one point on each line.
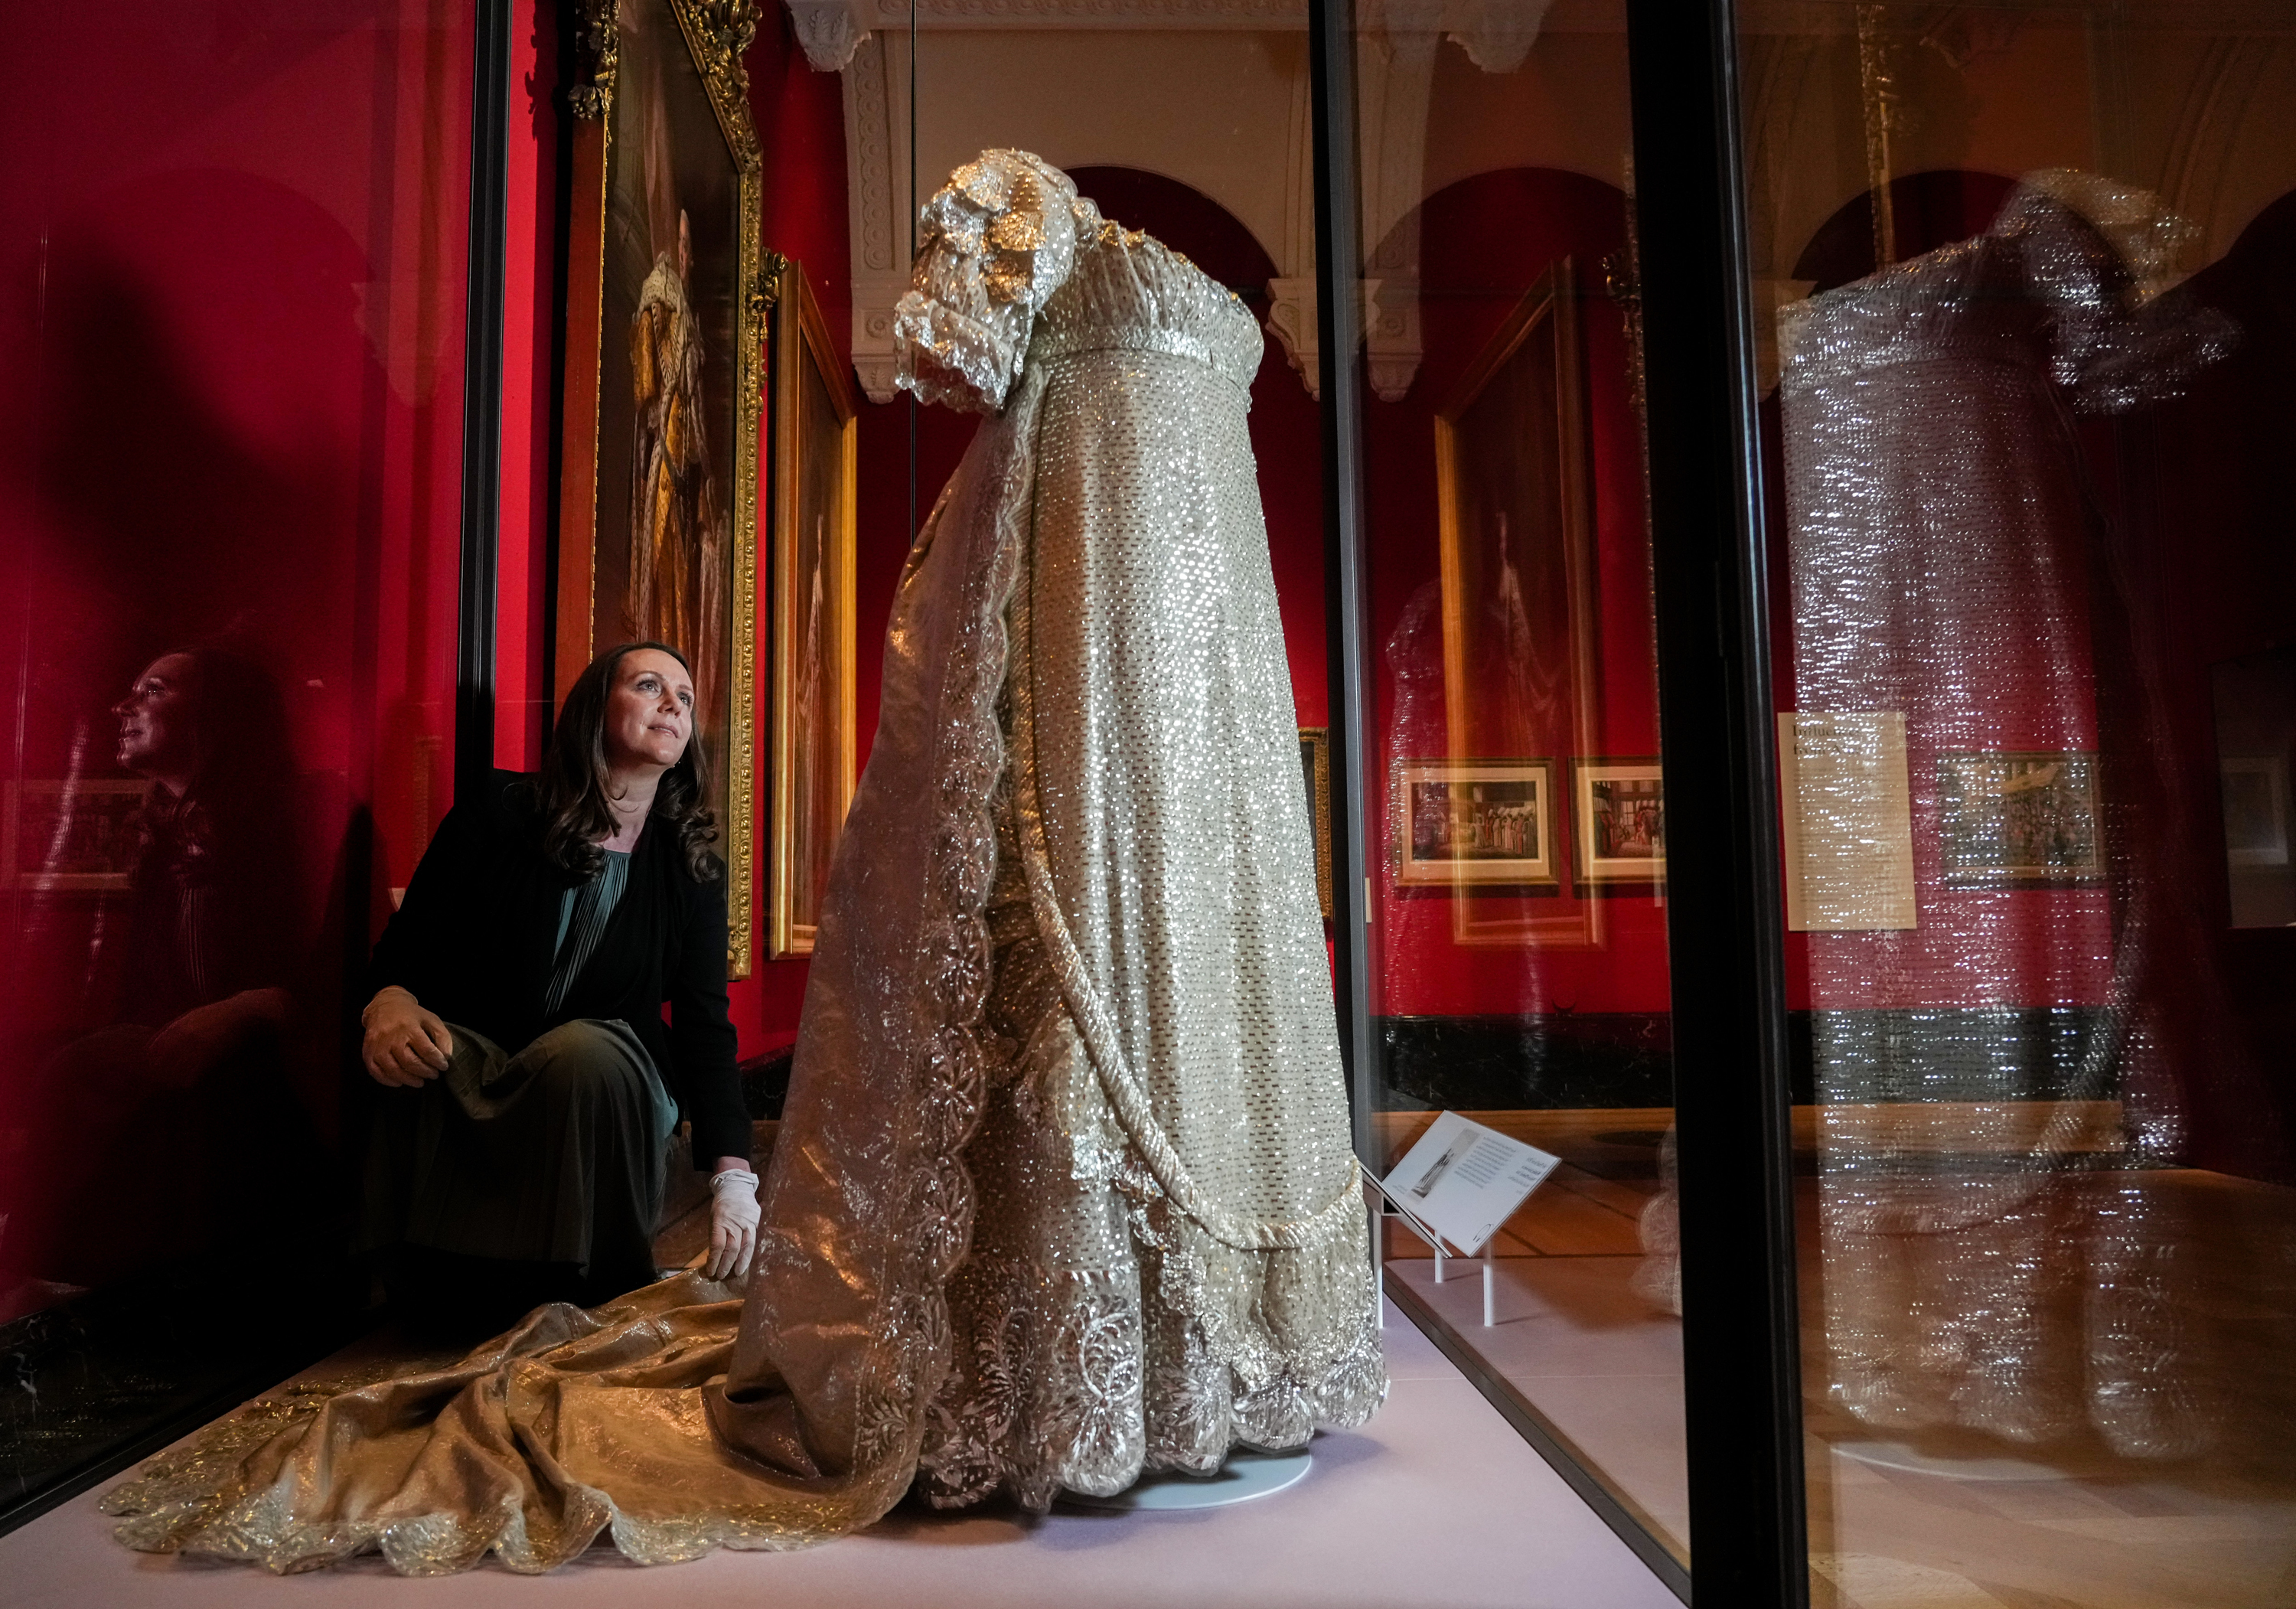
1246	1475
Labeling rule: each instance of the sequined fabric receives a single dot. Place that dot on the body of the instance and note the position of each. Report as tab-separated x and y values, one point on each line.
1943	564
1169	1254
1063	1188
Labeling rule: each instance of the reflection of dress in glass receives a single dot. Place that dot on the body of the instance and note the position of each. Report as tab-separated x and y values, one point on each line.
1941	567
1063	1188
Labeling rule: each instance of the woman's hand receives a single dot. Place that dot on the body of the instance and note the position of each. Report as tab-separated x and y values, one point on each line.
733	1215
405	1046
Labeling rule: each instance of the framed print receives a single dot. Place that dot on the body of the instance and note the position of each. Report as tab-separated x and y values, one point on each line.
1315	773
1474	822
814	436
1619	820
2255	789
2255	699
1846	815
1518	580
2013	819
667	288
72	837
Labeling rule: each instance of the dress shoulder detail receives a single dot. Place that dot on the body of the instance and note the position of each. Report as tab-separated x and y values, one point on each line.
999	238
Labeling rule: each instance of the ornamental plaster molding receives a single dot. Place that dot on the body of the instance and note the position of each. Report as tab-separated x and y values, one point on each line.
829	32
1390	333
880	273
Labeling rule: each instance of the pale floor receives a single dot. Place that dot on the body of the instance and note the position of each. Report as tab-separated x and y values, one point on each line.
1966	1524
1437	1504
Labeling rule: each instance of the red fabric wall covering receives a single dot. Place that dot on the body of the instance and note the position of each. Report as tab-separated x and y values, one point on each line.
230	380
800	117
1484	242
533	323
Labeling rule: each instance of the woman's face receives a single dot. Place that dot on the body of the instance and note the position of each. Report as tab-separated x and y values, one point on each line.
155	719
650	713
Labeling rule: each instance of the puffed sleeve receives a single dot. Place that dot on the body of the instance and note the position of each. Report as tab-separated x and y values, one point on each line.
998	239
2100	255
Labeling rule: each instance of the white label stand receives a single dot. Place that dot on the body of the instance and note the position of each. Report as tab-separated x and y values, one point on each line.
1459	1181
1435	1244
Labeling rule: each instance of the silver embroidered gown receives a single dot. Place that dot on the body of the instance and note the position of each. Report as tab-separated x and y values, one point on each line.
1063	1189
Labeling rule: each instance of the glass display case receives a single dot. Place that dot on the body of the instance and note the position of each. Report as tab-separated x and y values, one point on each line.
1786	599
234	242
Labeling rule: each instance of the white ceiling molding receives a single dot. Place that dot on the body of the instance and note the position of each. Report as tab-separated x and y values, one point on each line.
881	272
1292	320
1394	85
1496	34
829	32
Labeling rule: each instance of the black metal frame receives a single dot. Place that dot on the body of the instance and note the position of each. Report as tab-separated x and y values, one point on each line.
1741	1390
1339	323
1726	939
483	397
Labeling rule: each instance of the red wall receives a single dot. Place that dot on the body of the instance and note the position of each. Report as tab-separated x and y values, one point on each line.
800	117
230	416
1484	242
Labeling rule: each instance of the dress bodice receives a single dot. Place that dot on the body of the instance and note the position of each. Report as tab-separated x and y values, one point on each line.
1129	291
2058	286
1016	268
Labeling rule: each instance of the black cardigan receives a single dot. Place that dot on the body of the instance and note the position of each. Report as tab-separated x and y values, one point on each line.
474	940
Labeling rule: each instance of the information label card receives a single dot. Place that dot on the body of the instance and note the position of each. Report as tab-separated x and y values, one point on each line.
1463	1180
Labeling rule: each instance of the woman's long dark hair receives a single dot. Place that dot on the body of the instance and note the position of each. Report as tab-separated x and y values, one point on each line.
571	791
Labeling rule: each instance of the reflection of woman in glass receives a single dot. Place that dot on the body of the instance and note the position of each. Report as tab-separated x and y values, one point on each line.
516	1018
207	931
188	1080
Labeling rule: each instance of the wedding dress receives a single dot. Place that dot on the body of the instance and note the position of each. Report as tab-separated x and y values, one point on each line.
1063	1191
1945	542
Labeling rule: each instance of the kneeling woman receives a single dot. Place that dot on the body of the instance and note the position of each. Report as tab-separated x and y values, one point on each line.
517	1021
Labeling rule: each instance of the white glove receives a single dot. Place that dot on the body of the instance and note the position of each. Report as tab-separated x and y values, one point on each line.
733	1216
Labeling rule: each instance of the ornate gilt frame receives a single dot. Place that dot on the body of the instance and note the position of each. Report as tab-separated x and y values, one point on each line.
801	338
717	33
1315	760
1551	301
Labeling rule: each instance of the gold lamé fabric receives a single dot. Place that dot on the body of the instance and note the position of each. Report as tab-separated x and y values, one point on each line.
2014	1275
1063	1189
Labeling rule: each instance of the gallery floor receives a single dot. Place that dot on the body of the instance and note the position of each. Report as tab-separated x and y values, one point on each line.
1437	1504
1928	1522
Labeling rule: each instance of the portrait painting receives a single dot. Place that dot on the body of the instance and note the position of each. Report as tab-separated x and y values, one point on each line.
658	540
1476	822
1619	820
2018	818
815	435
1517	541
1316	774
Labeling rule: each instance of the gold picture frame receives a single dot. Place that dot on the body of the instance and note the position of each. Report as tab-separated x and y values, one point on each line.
1315	776
816	432
668	287
1465	824
1619	821
1520	574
